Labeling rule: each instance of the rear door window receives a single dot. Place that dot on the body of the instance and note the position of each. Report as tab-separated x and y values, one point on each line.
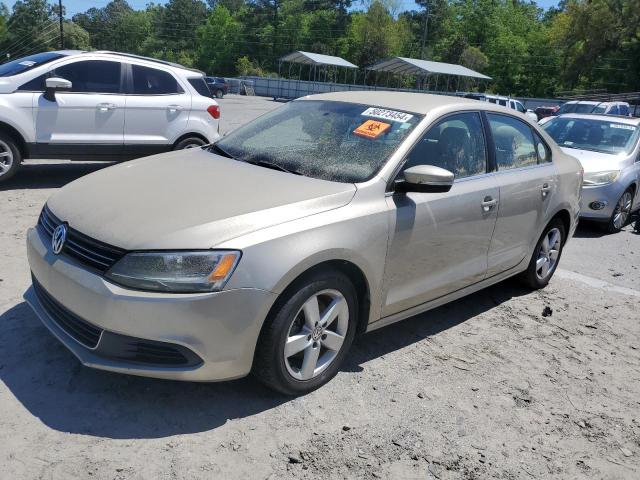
151	81
91	76
513	140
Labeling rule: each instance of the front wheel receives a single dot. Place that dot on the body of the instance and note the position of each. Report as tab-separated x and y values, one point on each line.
621	212
219	93
308	334
546	256
10	157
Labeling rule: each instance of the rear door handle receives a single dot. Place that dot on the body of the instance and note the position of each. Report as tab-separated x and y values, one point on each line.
488	203
175	108
103	107
546	188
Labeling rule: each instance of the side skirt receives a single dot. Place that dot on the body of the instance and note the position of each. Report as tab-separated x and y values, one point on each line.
430	305
91	152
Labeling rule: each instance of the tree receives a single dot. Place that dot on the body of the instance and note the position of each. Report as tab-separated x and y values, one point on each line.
31	28
217	42
75	37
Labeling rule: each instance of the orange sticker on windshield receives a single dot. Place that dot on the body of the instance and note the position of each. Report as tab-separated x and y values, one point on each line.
371	129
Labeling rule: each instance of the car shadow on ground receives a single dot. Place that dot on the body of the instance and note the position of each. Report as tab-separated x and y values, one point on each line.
53	386
587	229
50	174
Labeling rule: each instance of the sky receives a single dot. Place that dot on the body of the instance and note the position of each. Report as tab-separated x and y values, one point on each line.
75	6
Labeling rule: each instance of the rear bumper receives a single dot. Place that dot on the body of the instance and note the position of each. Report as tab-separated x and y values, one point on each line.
220	329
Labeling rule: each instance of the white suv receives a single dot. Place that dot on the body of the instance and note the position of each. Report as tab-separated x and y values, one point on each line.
100	106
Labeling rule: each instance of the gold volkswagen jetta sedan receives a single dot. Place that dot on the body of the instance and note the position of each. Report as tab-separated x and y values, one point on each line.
268	251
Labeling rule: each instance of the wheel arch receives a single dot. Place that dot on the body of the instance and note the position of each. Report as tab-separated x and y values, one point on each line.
16	136
189	135
565	218
348	268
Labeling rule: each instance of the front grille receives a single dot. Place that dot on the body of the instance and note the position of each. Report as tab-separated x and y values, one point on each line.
92	253
81	331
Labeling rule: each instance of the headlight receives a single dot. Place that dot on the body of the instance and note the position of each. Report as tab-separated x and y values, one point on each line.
601	178
178	272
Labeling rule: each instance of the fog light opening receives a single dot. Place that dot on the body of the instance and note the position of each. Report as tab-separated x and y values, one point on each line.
598	205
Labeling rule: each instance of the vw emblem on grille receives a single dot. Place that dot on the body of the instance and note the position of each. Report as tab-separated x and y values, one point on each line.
58	238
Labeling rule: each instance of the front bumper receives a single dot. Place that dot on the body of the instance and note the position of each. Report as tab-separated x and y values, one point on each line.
608	194
220	328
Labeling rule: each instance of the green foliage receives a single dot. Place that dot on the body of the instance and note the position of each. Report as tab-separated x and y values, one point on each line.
75	37
582	44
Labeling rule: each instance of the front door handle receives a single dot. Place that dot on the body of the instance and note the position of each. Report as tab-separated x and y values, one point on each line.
488	203
175	108
546	188
103	107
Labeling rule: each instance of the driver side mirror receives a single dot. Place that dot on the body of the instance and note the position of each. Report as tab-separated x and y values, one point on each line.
425	178
54	84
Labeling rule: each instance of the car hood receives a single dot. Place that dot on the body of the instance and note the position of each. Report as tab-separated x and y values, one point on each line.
596	161
189	199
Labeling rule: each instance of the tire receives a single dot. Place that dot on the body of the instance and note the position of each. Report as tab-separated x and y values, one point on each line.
537	275
219	93
189	142
10	157
317	353
621	212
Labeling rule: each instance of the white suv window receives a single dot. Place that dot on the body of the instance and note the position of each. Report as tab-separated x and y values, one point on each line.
151	81
91	76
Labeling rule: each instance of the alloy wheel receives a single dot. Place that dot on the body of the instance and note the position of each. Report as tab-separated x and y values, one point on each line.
548	253
623	210
6	158
316	334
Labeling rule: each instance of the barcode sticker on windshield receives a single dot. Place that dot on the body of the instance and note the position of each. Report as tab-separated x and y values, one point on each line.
371	129
392	115
619	125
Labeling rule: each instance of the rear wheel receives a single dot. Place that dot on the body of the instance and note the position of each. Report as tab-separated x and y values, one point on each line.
219	93
10	157
621	212
546	256
189	142
308	334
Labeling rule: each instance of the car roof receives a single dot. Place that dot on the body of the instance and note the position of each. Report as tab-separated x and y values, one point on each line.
128	55
592	116
420	103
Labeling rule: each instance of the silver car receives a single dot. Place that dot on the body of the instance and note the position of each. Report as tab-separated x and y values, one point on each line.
269	251
609	150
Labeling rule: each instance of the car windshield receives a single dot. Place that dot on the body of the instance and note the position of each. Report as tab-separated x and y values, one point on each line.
336	141
576	108
596	135
24	64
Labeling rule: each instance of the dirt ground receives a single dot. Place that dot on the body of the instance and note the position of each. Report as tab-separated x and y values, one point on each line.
486	387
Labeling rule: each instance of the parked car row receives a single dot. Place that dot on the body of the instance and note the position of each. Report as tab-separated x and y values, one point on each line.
507	102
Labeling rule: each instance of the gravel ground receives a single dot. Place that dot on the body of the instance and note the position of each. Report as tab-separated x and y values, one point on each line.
486	387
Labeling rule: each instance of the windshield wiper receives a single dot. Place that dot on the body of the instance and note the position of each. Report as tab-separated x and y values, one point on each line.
221	151
274	166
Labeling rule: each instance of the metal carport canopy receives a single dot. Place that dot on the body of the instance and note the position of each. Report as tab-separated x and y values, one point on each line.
414	66
308	58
